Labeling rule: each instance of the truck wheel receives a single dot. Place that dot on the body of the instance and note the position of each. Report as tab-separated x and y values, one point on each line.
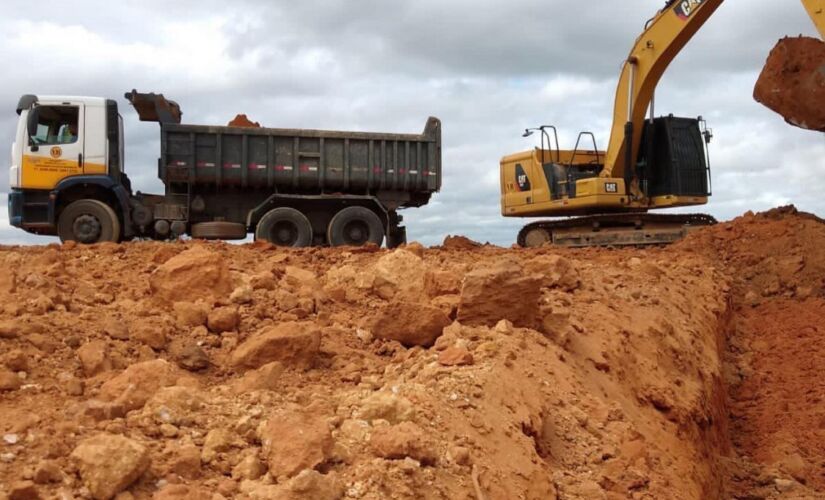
355	226
88	221
285	227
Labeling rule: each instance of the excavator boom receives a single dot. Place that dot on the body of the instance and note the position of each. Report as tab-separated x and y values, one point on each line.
662	40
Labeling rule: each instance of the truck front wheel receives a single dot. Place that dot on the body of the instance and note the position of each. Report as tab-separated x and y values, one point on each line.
355	226
285	227
87	222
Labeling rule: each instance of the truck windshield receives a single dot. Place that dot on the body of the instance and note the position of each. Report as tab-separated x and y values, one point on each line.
56	125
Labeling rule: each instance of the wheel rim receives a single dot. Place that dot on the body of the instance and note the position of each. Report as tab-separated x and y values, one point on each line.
87	229
356	233
284	233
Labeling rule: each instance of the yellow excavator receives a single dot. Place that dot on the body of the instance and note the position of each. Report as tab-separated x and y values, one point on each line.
602	198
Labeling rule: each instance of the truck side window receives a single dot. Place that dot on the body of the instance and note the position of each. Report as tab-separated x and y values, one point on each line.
56	125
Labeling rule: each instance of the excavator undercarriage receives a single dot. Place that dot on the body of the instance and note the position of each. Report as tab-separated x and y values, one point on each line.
607	230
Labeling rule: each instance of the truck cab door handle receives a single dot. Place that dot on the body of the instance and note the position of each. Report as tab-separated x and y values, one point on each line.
79	159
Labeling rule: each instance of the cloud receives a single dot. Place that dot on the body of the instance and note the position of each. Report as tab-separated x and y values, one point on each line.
487	70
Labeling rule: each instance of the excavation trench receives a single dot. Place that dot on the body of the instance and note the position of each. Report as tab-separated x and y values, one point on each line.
462	371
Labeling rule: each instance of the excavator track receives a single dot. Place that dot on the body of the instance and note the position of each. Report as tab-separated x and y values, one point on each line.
633	229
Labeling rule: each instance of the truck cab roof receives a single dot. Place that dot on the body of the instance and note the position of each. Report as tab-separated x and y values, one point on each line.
28	100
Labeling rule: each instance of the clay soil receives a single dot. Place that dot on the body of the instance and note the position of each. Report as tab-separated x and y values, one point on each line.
203	370
792	82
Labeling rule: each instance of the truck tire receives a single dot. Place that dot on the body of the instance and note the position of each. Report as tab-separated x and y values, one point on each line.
285	227
355	226
87	222
219	230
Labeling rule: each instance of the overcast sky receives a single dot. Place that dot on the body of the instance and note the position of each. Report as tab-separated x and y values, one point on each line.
487	69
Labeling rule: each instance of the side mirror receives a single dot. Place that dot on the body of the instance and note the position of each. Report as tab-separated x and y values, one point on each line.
31	126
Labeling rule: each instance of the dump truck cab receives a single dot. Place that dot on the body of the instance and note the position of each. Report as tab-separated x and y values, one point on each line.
66	150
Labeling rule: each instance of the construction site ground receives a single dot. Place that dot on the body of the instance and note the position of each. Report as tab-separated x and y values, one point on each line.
207	370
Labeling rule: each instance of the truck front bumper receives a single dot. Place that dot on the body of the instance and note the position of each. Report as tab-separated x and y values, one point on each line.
16	208
29	210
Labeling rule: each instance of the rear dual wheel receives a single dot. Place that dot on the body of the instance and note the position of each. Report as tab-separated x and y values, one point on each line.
285	227
352	226
87	222
355	226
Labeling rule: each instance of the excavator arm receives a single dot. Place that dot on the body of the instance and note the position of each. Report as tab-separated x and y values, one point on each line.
664	37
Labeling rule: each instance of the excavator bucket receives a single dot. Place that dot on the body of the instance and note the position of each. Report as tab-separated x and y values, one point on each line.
792	82
154	107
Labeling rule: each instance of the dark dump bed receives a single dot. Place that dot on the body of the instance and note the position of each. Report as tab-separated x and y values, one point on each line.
297	161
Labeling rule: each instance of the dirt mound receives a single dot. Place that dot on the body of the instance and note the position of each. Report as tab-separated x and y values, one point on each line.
792	83
686	372
243	121
459	243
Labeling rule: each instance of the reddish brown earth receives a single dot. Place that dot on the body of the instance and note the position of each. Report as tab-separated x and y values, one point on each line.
207	370
792	82
242	120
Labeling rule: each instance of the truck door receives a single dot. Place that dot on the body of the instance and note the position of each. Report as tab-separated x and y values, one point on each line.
54	145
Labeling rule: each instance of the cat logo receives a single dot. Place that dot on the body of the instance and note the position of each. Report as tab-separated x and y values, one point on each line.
522	180
686	8
56	152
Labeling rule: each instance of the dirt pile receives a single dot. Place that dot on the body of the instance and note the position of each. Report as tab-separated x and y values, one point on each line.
356	373
792	83
243	121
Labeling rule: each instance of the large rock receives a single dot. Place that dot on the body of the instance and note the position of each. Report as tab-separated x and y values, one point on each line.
191	314
9	381
116	328
188	355
400	275
405	440
94	357
292	343
219	441
410	323
792	82
294	441
136	384
387	406
223	319
555	271
197	273
109	463
174	405
497	292
455	356
309	484
265	378
182	492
